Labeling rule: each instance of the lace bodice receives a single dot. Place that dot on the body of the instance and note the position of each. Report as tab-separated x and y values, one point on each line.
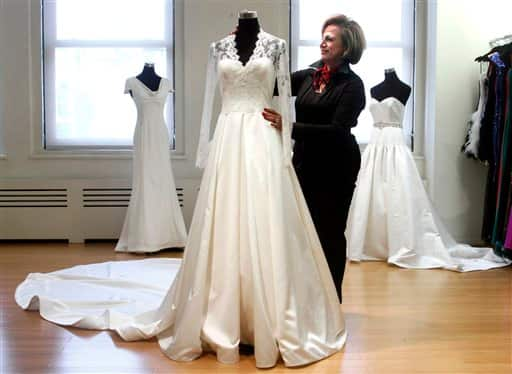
267	45
387	113
247	88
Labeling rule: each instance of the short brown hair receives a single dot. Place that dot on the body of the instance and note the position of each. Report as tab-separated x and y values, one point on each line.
352	36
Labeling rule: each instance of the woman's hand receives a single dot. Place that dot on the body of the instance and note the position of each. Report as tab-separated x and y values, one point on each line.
273	117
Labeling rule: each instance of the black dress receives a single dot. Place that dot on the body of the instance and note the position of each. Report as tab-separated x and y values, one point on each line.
326	155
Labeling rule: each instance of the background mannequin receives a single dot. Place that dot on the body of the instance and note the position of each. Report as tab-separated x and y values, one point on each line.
391	87
148	76
246	34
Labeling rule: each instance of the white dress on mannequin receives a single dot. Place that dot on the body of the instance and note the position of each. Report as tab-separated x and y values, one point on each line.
253	269
391	218
154	219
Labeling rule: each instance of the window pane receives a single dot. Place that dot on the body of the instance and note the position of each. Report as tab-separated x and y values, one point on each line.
90	108
306	56
110	20
312	15
371	72
380	20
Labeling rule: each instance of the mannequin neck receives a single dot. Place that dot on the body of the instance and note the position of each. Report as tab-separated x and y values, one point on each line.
246	38
390	76
248	27
148	70
149	77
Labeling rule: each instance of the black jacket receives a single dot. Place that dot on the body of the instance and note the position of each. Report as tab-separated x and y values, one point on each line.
323	121
332	112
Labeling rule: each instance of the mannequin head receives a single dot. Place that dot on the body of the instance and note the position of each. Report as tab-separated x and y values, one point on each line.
149	67
342	40
247	14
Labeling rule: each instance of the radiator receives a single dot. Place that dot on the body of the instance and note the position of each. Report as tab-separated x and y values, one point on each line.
73	209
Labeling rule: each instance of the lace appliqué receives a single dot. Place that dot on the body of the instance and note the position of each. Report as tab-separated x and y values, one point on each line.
225	48
266	46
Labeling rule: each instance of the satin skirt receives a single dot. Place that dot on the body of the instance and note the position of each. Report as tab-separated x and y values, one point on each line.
253	270
392	219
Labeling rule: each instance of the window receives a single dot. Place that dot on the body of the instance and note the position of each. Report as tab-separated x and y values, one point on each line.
389	31
90	48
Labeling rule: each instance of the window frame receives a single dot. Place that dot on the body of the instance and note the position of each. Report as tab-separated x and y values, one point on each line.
42	69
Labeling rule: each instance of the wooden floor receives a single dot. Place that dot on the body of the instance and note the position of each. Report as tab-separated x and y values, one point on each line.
399	321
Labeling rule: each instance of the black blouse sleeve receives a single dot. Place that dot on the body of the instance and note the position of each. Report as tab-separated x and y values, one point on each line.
350	105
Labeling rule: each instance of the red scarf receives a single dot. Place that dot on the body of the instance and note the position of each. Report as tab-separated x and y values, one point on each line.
321	76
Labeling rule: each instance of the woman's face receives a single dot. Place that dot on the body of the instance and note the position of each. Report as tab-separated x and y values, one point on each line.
331	48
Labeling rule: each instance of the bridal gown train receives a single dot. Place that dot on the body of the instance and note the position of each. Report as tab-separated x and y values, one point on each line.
391	218
253	269
154	219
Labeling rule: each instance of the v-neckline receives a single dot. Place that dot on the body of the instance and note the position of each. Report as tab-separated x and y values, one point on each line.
256	45
147	88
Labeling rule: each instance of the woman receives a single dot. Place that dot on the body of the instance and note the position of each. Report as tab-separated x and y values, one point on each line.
326	157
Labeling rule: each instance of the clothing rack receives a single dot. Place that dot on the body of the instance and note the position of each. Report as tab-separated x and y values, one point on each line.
495	146
490	141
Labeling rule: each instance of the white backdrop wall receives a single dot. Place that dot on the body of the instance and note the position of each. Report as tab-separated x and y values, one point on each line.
461	30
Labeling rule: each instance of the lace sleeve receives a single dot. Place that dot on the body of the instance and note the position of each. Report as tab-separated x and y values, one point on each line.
209	96
284	101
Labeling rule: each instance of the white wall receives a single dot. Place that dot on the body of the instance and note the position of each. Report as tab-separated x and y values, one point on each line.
462	30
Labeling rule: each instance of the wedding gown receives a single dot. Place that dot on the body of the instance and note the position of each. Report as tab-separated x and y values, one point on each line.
391	218
253	269
154	219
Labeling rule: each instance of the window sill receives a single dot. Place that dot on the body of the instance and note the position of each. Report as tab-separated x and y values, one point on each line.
92	155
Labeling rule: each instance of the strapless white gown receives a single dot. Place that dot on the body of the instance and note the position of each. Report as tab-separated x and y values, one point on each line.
391	217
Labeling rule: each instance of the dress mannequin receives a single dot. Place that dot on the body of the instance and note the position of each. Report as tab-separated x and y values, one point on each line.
148	76
246	34
391	87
